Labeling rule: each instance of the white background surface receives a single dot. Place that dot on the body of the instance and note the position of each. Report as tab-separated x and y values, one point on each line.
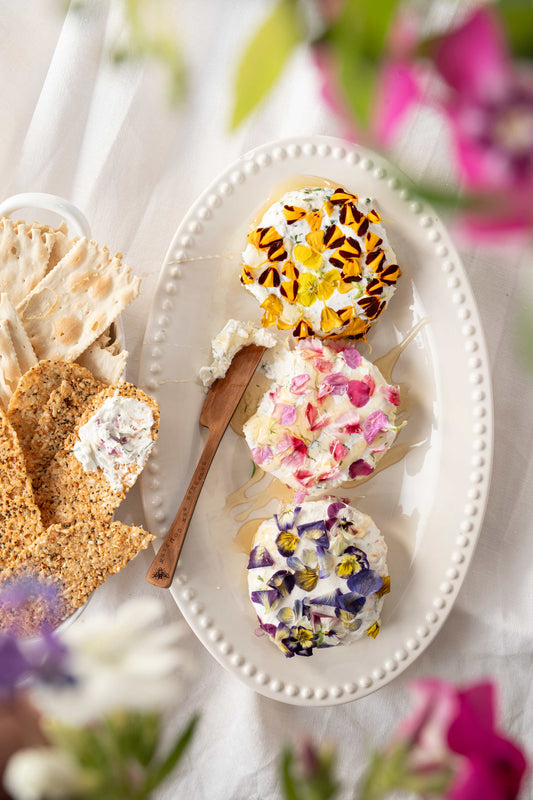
104	137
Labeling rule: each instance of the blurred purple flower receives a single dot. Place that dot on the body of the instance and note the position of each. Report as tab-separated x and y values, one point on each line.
455	728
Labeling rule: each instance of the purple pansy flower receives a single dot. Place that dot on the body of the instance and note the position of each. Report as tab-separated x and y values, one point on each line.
350	602
286	519
283	581
266	597
365	582
14	665
260	557
316	531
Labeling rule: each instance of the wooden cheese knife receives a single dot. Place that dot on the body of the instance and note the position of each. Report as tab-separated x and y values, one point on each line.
221	401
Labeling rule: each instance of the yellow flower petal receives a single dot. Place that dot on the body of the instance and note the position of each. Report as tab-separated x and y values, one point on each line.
246	275
293	213
314	219
315	240
329	319
272	304
373	630
290	271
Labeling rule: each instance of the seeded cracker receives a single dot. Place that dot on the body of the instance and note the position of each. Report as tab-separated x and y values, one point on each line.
68	492
20	521
32	393
77	301
59	417
24	255
82	556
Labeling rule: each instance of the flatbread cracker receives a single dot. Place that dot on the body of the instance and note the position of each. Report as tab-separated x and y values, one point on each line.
20	520
58	419
10	373
75	302
106	362
32	393
67	492
25	355
24	255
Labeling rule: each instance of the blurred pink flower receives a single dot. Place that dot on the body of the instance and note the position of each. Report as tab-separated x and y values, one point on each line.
488	100
455	728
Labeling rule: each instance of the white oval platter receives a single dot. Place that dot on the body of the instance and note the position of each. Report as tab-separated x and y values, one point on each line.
429	505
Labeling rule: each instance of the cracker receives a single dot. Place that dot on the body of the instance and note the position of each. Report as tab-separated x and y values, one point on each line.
25	354
24	255
76	560
20	520
81	556
68	492
10	373
32	393
75	302
106	362
58	419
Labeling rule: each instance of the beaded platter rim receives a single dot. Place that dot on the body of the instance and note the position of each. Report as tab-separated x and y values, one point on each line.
186	594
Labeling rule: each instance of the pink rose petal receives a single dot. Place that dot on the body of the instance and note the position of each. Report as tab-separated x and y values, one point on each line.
261	455
374	424
314	420
392	393
322	365
350	422
299	383
285	413
338	450
334	383
352	357
360	468
358	393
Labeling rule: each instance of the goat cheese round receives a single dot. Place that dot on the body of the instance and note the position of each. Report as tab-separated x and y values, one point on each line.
320	263
317	575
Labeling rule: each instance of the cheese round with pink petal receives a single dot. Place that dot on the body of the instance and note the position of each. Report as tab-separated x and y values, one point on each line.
327	419
320	264
317	575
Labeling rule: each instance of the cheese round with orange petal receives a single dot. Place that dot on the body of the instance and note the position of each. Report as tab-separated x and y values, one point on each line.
320	264
328	417
317	575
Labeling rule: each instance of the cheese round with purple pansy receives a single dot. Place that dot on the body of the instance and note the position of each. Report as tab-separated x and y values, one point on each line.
328	417
320	263
317	574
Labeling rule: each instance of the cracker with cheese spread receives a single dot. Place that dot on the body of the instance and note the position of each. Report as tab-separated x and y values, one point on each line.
89	476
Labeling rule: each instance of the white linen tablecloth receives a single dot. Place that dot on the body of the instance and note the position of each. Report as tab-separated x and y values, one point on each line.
104	136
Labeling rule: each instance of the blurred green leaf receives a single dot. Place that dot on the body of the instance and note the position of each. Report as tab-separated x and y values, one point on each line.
357	41
265	57
309	775
162	770
517	17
